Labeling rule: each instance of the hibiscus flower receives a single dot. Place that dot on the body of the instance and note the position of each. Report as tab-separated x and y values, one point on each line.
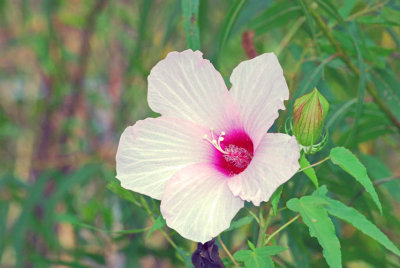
209	151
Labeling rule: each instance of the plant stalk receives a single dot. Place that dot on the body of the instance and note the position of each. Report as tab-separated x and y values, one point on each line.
281	228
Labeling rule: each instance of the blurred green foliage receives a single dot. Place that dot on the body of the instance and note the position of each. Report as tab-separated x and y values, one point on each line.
73	75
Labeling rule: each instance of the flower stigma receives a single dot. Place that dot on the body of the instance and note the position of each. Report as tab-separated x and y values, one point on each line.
233	156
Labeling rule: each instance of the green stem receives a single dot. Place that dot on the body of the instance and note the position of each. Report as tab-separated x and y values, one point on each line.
227	251
253	215
281	209
365	11
281	228
354	16
146	206
263	226
169	239
150	213
315	164
285	41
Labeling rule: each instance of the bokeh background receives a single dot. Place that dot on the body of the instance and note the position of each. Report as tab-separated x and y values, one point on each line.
73	75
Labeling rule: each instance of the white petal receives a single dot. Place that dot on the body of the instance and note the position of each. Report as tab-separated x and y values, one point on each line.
275	161
259	89
187	86
198	204
152	150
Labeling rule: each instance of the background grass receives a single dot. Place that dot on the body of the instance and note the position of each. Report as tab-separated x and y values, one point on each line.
73	75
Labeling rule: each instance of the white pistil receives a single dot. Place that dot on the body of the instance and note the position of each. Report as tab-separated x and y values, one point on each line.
216	142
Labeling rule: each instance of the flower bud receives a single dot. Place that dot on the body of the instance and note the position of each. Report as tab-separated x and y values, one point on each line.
206	255
309	114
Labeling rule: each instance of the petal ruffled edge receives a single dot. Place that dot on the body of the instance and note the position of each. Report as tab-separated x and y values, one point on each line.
259	90
275	162
187	86
198	204
150	152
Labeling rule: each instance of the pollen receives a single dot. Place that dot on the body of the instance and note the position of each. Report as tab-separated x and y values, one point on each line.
233	150
237	156
216	142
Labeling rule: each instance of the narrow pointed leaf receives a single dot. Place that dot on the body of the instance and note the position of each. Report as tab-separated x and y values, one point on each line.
275	199
190	12
239	223
271	250
310	172
314	215
229	22
350	163
355	218
115	187
186	257
254	259
158	224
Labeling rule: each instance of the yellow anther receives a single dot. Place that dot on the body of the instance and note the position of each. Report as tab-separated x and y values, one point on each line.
216	143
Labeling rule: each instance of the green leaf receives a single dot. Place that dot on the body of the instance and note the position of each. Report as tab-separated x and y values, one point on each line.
25	220
190	12
260	260
251	245
230	20
296	242
390	105
310	172
349	163
332	11
239	223
75	179
391	15
369	19
115	187
4	207
271	250
251	9
361	88
186	257
378	170
72	219
242	255
258	257
339	113
346	8
275	199
358	220
310	21
314	215
144	19
130	231
158	224
321	192
388	91
254	259
278	14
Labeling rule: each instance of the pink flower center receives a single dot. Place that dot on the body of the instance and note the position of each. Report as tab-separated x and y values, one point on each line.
237	156
233	151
